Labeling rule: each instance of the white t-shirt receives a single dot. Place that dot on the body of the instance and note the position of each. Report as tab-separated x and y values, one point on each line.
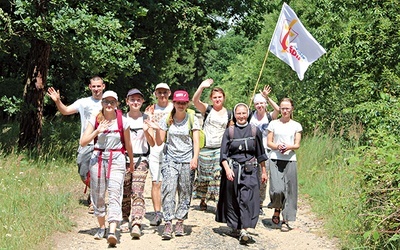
86	107
214	128
179	141
284	133
110	139
138	139
262	125
159	114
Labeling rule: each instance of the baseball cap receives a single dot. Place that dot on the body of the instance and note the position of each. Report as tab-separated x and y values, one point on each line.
134	91
180	96
162	86
110	93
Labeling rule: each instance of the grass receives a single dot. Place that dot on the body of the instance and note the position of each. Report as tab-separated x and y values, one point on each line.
330	184
37	192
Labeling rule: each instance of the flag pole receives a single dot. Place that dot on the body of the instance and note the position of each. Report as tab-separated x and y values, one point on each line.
265	59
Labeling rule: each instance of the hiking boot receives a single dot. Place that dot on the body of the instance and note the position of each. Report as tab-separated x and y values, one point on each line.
244	236
112	240
136	232
167	234
179	230
156	220
100	234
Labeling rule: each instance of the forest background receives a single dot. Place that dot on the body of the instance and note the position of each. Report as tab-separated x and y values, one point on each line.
347	102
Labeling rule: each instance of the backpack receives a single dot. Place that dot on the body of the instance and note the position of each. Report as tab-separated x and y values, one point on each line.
253	111
202	140
253	134
121	134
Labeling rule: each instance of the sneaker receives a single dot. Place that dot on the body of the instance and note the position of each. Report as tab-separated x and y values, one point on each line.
100	234
156	220
244	236
112	240
136	232
167	234
179	230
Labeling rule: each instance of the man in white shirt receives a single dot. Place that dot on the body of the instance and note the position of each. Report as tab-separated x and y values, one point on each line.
86	107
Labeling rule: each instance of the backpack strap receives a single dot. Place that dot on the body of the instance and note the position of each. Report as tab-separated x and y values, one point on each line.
269	117
253	134
120	128
208	110
230	116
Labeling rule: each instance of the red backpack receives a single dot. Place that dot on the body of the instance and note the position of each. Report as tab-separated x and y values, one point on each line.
121	134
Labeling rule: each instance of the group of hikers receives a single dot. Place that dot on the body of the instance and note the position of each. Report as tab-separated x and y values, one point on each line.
227	158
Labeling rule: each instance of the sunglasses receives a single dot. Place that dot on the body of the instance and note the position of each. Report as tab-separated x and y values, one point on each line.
106	102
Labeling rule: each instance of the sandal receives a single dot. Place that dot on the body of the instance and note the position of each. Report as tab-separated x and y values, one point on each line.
275	218
124	227
203	205
285	227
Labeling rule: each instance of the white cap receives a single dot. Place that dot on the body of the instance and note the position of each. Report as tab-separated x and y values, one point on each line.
259	98
162	86
110	93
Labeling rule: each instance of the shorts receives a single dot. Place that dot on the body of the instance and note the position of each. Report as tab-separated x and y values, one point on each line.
155	162
83	160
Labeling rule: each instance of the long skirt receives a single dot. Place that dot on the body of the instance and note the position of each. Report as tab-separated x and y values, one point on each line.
239	201
208	175
283	187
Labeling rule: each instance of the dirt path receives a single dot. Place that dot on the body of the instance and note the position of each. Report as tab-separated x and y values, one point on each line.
202	232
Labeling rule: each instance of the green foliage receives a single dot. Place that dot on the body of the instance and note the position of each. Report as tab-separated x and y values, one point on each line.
329	182
378	167
10	105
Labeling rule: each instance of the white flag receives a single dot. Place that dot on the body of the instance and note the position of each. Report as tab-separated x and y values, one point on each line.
293	44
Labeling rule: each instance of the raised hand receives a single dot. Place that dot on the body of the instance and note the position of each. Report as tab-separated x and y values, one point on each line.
207	83
54	95
265	92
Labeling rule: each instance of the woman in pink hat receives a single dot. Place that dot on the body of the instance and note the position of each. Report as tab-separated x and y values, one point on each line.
180	131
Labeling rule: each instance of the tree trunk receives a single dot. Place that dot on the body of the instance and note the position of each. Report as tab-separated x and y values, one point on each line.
30	129
32	108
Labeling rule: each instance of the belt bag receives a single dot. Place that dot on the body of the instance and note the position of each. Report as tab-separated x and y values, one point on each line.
250	165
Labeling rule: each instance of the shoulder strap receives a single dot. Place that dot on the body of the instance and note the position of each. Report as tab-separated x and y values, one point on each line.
230	117
191	114
208	110
269	117
231	131
253	130
120	126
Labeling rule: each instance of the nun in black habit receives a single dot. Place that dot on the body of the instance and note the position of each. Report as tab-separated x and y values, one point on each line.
242	153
